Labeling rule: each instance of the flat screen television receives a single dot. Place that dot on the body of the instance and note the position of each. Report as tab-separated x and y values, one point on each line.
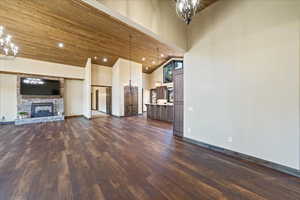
39	87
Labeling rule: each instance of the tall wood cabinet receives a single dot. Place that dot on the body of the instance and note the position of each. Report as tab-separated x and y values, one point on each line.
108	100
178	102
131	101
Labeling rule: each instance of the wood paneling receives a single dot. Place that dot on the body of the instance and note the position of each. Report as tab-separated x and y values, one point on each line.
39	25
126	159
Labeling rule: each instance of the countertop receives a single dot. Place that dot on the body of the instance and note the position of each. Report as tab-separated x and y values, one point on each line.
155	104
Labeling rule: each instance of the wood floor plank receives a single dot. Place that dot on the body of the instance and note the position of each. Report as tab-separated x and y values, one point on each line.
131	158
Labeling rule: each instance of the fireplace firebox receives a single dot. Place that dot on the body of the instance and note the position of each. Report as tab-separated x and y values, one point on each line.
42	110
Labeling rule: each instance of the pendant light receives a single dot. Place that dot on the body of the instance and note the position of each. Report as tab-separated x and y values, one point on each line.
7	48
130	60
186	9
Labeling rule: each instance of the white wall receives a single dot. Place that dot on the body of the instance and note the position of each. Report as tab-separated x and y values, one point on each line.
242	78
29	66
8	97
121	77
116	90
101	75
146	87
87	90
73	98
146	81
158	16
102	99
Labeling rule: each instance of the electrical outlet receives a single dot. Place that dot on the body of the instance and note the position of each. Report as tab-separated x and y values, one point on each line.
229	139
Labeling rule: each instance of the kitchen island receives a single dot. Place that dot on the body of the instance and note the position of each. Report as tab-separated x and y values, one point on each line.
162	112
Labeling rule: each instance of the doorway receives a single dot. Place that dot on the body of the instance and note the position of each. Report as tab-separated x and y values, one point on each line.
100	101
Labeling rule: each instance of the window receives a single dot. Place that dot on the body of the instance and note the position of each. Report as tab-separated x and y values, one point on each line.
168	70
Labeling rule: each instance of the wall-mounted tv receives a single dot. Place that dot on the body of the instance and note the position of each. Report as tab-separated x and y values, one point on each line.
39	87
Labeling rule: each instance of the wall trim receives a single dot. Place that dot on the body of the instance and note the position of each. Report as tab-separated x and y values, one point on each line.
7	123
101	86
265	163
73	116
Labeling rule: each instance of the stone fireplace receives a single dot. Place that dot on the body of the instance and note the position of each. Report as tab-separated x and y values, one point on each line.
40	108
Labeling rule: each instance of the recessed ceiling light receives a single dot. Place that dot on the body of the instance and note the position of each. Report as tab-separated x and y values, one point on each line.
105	59
61	45
153	62
162	55
95	57
143	59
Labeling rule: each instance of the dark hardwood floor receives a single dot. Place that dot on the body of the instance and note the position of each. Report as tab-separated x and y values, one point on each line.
123	159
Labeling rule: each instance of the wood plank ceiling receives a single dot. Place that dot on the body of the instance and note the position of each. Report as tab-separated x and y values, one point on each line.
39	25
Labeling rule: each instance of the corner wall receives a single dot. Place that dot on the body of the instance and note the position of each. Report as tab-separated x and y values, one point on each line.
8	97
101	75
242	79
73	97
121	77
86	110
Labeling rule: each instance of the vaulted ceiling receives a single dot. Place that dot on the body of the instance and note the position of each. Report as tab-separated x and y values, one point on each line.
39	25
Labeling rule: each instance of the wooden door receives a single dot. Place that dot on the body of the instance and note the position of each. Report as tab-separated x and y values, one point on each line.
178	103
130	101
97	99
108	100
92	105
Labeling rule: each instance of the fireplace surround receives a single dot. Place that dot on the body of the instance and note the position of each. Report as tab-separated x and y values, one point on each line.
42	110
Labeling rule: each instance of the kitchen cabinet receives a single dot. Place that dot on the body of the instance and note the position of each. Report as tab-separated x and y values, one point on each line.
160	112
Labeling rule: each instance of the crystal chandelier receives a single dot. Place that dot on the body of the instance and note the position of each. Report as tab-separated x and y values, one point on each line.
7	48
187	9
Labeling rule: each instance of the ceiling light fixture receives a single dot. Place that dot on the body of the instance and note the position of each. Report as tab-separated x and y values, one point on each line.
143	59
105	59
95	57
186	9
162	55
61	45
153	62
6	46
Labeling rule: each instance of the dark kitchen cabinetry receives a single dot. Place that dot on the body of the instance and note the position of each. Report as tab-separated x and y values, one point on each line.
160	112
162	92
158	93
